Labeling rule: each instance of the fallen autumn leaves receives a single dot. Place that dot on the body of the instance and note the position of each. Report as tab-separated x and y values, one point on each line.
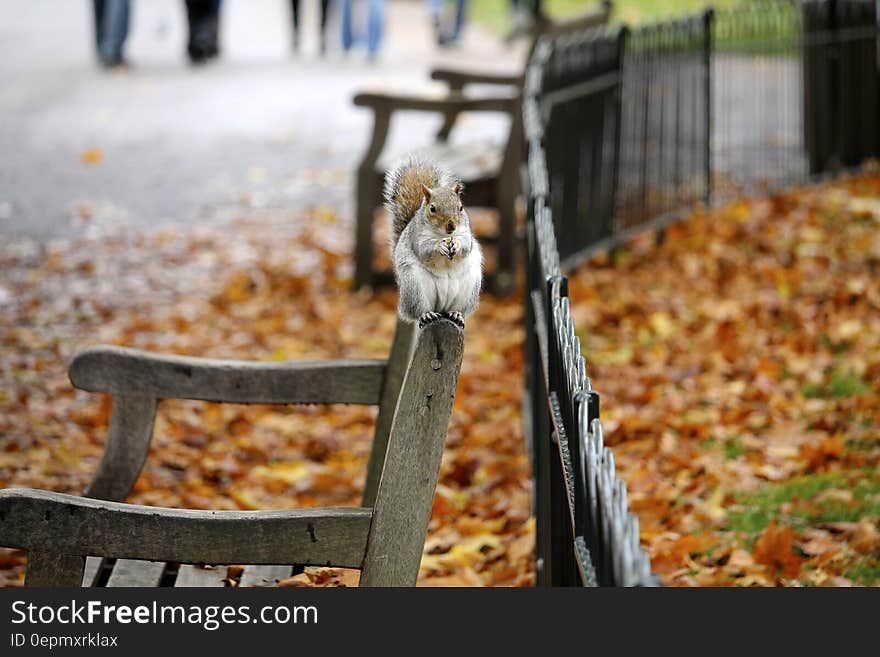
740	370
738	363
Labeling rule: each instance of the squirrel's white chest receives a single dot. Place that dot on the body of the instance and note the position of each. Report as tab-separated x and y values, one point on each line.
451	284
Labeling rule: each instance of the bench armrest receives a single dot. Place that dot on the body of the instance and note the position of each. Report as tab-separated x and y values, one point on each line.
451	103
59	530
131	372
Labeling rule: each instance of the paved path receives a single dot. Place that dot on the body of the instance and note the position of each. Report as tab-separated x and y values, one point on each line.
262	130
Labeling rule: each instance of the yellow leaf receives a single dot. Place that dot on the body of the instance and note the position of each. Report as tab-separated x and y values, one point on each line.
91	156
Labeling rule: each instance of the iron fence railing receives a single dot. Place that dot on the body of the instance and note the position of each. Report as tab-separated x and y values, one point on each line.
626	129
585	535
666	118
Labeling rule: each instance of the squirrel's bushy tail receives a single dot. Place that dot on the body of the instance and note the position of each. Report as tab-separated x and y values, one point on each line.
403	190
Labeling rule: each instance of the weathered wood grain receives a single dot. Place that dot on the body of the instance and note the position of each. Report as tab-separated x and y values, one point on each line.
136	572
66	524
412	463
124	371
398	362
201	576
51	567
128	442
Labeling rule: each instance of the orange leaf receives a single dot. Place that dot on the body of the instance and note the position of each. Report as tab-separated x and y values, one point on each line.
91	156
774	548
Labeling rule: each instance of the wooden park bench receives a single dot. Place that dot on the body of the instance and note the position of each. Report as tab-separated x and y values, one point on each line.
100	540
489	170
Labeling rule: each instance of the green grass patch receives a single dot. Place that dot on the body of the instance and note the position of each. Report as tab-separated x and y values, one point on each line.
495	14
866	572
753	512
834	347
865	443
842	384
734	449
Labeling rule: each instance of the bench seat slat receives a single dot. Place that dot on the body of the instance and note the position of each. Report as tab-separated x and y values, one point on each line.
131	572
201	576
93	569
67	524
263	575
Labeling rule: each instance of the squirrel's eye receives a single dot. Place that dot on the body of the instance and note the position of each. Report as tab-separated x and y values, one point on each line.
460	208
432	209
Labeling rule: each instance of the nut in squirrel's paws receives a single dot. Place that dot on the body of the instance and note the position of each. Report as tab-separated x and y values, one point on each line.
448	247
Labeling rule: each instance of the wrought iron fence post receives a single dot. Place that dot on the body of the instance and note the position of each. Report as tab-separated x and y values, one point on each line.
622	36
708	20
834	85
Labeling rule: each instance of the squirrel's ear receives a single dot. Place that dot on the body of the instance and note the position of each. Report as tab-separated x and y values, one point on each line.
458	187
428	192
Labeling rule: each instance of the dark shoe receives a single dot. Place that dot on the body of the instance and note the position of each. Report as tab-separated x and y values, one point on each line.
113	63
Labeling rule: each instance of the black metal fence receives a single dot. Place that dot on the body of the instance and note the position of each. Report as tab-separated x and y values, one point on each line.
584	534
666	96
623	130
709	106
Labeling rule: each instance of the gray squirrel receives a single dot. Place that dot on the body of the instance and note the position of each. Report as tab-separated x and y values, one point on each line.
438	265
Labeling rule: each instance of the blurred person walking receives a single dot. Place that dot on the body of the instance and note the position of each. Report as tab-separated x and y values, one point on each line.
111	30
375	21
446	37
294	10
203	17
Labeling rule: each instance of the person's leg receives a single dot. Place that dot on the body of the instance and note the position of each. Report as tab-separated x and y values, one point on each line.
204	28
460	13
114	31
325	8
99	22
294	14
347	35
375	23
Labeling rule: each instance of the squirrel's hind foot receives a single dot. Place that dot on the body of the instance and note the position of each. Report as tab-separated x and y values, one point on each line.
456	318
428	318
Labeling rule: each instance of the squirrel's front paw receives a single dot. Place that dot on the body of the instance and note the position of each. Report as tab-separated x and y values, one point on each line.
456	318
447	247
428	318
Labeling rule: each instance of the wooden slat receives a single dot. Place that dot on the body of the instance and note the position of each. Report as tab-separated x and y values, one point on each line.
123	371
128	442
263	575
131	572
93	569
412	463
202	576
66	524
453	102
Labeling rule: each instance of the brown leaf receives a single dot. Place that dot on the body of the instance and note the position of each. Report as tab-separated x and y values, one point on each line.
775	548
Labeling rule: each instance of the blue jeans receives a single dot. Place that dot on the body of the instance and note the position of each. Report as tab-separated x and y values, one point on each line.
111	29
434	7
375	21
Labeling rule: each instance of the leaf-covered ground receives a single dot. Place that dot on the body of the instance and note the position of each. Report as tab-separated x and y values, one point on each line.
739	365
